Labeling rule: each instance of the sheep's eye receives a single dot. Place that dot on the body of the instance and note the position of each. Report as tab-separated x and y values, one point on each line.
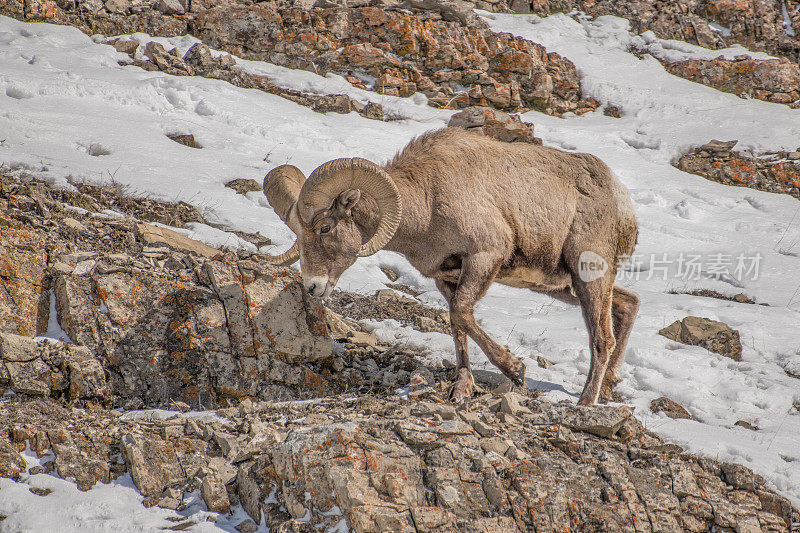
325	229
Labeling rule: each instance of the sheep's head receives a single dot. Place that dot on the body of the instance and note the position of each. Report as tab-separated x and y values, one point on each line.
319	211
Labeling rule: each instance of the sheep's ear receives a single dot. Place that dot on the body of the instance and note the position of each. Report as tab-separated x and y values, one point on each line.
344	203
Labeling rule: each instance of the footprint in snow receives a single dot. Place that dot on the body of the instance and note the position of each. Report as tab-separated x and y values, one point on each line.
18	93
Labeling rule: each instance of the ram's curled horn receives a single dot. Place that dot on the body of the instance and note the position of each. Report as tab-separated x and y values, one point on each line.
282	188
332	178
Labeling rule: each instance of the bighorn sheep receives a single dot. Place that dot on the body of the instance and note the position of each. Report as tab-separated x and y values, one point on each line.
468	210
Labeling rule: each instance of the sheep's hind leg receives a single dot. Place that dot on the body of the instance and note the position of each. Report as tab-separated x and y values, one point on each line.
464	383
624	306
477	274
595	298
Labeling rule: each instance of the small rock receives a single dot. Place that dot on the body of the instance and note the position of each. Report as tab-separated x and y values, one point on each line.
169	7
495	444
199	56
494	123
389	295
372	111
502	388
169	503
742	477
613	111
716	146
74	225
543	363
743	299
714	336
483	429
185	139
246	407
126	47
156	53
152	235
598	420
421	377
746	425
153	464
227	443
119	7
515	454
243	186
87	378
510	403
84	267
453	10
793	156
391	274
173	492
425	324
192	429
361	339
215	495
444	411
248	526
670	408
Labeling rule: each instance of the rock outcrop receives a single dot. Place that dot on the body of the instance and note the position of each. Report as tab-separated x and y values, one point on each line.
24	296
755	24
776	80
151	315
771	172
440	49
404	51
758	25
198	61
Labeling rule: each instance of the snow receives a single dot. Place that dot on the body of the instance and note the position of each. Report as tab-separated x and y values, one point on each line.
61	92
787	20
54	332
150	415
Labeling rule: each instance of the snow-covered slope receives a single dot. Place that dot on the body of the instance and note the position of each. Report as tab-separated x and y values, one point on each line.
63	98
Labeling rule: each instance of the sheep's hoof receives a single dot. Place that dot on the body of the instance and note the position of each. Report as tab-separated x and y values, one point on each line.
585	401
607	391
519	379
462	388
611	395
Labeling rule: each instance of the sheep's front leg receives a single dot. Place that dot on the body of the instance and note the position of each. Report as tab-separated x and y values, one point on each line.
477	274
464	383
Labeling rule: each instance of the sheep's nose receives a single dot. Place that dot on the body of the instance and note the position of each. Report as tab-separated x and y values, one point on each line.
316	286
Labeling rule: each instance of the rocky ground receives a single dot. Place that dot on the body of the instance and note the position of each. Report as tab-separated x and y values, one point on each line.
509	463
268	412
